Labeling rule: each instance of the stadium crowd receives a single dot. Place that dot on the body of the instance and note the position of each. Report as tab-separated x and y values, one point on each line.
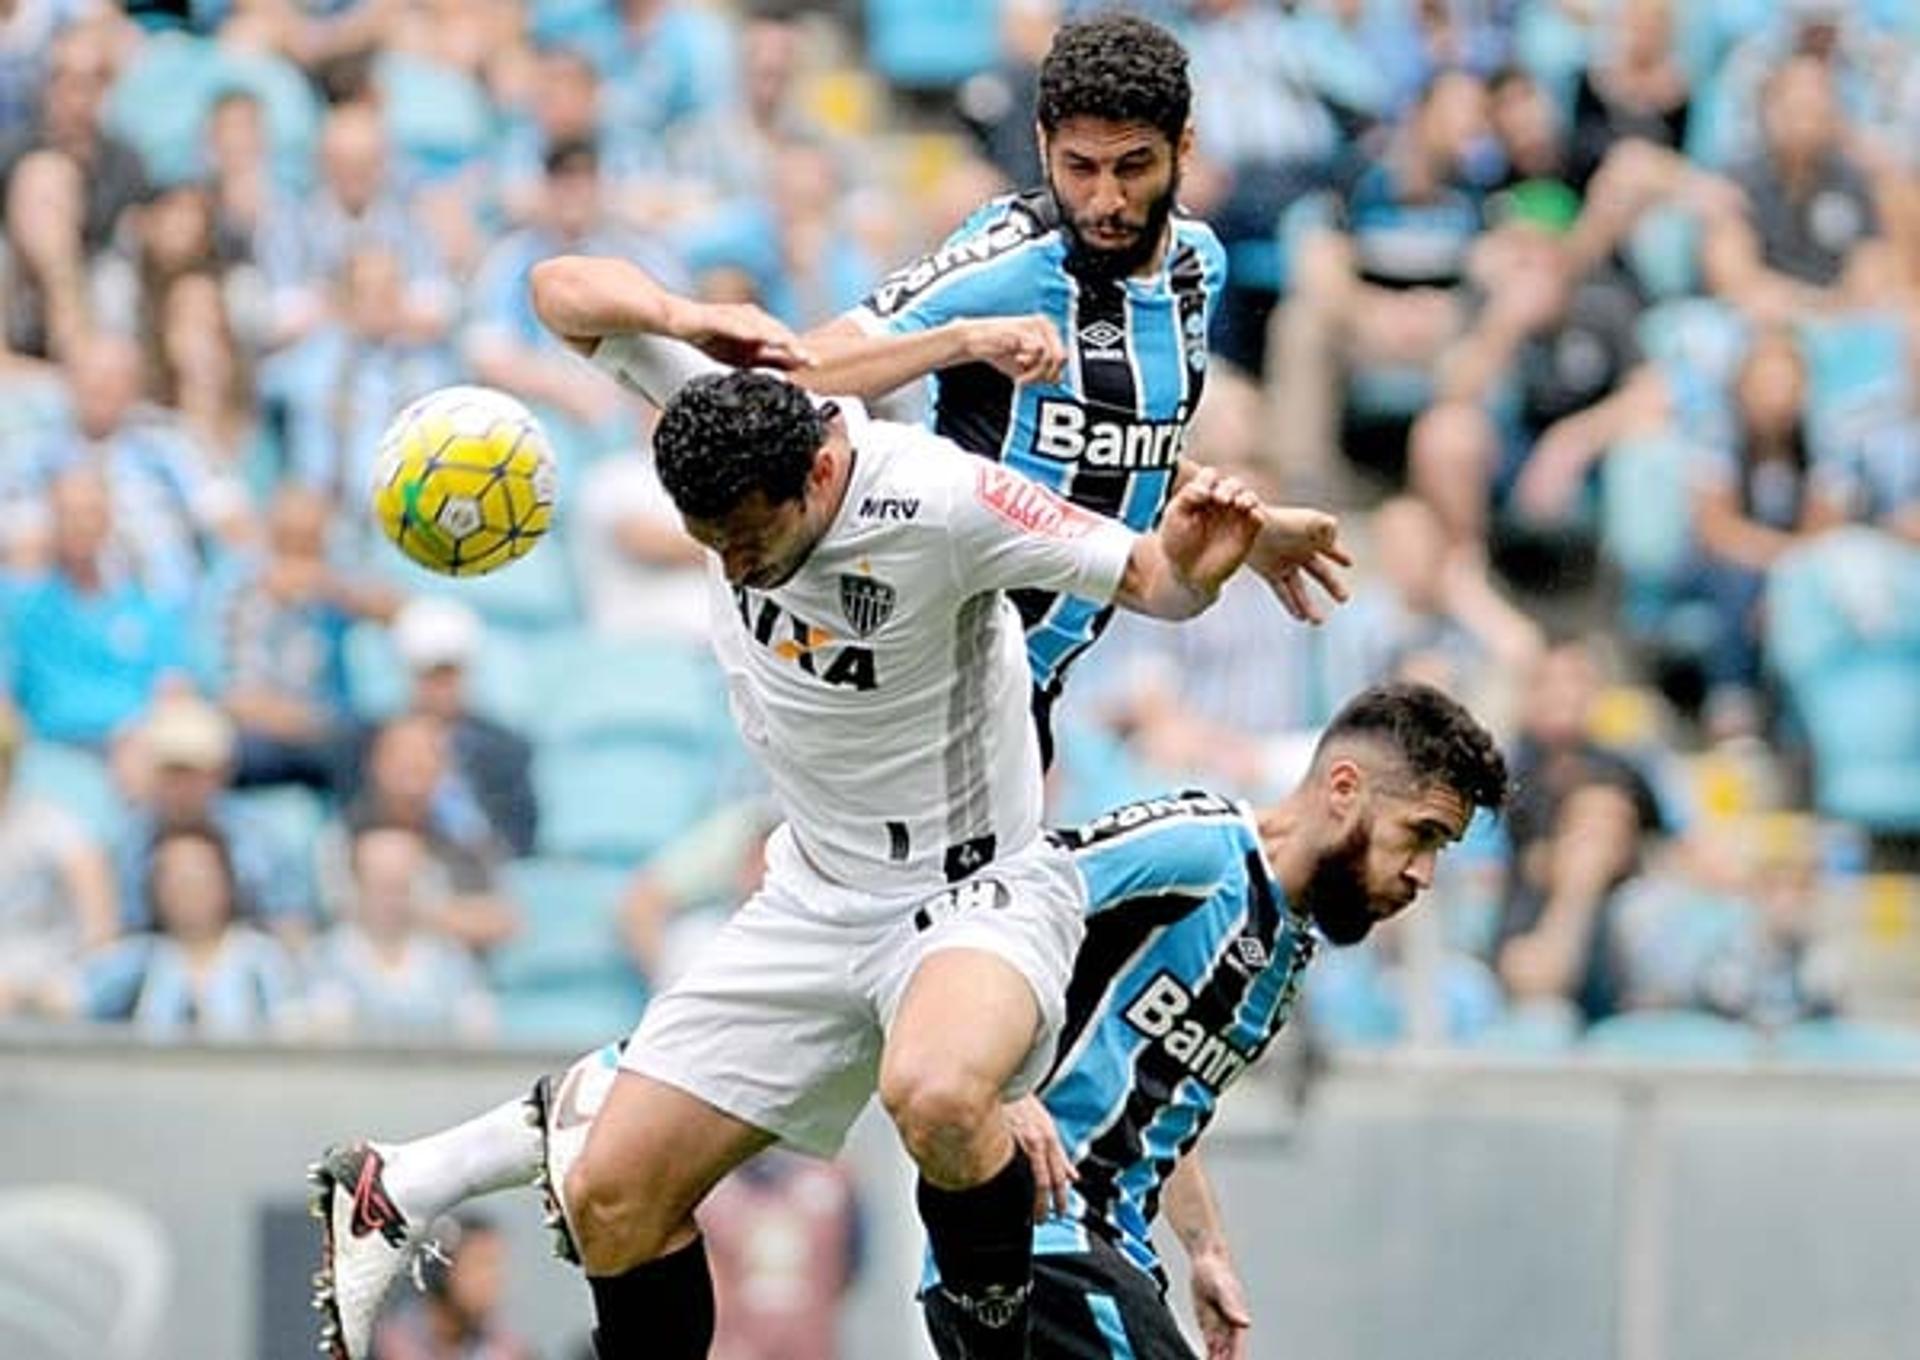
1596	320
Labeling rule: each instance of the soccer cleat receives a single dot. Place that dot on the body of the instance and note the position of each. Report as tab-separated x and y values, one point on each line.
365	1241
540	1107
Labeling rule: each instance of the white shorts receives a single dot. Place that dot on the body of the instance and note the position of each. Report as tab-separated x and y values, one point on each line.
781	1019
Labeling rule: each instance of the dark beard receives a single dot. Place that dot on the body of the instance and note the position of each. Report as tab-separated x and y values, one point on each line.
1091	262
1336	895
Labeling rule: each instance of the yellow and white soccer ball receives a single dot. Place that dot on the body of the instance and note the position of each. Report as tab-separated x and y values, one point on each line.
464	481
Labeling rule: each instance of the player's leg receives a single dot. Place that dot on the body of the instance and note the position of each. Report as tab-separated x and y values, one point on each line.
985	968
1086	1306
652	1155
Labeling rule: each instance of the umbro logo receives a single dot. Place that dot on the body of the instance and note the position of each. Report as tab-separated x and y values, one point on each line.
1251	950
1101	340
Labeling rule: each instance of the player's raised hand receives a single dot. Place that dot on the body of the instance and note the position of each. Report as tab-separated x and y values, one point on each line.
739	334
1025	348
1220	1307
1297	545
1053	1175
1209	528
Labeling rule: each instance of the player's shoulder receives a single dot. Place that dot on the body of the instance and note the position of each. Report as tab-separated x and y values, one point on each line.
1003	245
1158	818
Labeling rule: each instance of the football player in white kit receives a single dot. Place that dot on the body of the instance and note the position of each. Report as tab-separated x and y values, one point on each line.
915	932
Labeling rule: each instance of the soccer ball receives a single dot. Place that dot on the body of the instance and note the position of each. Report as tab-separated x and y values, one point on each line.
464	481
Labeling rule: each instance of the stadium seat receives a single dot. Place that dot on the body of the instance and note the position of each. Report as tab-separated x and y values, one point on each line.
1849	1043
922	43
1646	521
534	594
1843	631
624	689
1664	250
1859	374
574	1014
570	915
77	780
1673	1036
620	801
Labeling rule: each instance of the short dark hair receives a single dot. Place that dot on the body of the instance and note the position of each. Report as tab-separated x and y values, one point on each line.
1441	743
572	155
1119	67
725	436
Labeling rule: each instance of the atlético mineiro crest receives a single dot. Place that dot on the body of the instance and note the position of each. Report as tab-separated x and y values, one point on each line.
867	603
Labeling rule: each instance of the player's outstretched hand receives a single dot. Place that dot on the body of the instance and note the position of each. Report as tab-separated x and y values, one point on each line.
1053	1175
740	335
1025	348
1210	527
1298	545
1220	1307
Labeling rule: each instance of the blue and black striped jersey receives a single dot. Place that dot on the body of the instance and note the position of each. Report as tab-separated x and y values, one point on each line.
1109	435
1189	968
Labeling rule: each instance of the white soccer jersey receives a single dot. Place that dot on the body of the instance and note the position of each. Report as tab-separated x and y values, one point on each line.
885	686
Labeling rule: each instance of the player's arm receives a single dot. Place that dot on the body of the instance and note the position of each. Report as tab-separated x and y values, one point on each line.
587	300
1296	542
1219	1299
851	360
1205	536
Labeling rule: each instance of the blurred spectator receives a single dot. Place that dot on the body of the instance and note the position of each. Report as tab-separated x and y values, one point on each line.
1403	984
642	577
457	1316
202	373
671	62
1277	91
307	243
29	30
1548	347
684	894
56	891
1000	105
205	972
504	342
784	1235
352	375
382	973
1578	824
170	507
277	627
179	766
440	640
1428	597
1752	502
408	782
1811	240
1731	928
101	645
795	253
568	104
1635	89
239	172
1381	286
66	183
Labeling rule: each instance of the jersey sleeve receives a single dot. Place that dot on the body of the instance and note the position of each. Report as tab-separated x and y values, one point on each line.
1010	533
990	267
1190	845
652	365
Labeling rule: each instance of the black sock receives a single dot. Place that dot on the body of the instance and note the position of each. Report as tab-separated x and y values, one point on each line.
662	1310
982	1242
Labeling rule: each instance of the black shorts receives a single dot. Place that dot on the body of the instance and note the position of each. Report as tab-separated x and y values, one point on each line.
1093	1305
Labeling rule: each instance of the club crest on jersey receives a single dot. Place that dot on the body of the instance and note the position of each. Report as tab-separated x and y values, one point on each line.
807	647
867	603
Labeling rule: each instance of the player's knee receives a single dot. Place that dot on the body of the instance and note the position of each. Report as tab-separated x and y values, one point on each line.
615	1223
940	1114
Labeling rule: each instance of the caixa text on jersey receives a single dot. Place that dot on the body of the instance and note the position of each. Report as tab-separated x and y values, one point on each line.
1067	433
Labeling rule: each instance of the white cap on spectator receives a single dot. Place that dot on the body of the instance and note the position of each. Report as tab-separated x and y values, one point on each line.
430	633
188	733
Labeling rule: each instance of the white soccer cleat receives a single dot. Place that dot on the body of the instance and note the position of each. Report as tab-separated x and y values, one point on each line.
563	1110
365	1242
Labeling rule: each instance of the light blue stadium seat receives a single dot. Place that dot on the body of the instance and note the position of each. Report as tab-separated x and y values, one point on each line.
534	594
932	42
598	687
621	801
76	780
1849	1043
1673	1036
1843	631
577	1013
1860	381
1528	1032
438	118
571	928
1664	250
1646	519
